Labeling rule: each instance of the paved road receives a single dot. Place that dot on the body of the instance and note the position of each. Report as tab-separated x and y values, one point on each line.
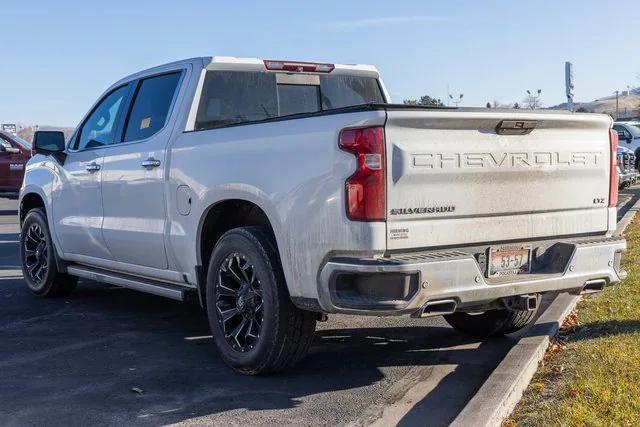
77	361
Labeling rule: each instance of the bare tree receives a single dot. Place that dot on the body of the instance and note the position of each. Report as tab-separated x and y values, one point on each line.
532	100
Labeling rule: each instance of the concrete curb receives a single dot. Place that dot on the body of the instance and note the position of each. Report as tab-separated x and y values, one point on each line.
502	391
627	217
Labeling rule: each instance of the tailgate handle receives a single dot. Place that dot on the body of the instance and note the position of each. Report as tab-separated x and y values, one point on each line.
516	127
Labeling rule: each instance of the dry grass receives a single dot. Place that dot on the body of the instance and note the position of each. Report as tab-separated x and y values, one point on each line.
591	373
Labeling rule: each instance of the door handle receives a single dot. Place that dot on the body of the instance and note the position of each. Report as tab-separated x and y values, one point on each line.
151	163
92	167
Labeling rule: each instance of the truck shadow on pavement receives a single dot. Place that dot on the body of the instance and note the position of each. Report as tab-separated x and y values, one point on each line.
108	355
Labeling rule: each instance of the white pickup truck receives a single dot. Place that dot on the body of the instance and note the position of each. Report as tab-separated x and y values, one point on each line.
276	192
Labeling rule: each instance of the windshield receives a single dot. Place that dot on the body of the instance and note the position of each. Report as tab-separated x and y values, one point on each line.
231	97
25	144
15	138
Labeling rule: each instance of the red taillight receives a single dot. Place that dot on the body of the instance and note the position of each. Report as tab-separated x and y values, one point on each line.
366	188
298	67
613	180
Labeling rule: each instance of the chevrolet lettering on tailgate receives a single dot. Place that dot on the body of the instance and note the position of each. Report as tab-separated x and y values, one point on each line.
507	160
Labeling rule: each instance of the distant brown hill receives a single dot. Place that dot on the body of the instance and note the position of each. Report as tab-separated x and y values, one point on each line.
628	105
26	132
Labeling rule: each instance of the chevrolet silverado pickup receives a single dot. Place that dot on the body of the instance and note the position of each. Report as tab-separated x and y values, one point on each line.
277	192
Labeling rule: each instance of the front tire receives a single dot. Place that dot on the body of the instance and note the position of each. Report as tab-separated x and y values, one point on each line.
255	326
38	259
491	322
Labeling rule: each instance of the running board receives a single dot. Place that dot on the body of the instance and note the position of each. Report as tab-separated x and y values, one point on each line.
166	290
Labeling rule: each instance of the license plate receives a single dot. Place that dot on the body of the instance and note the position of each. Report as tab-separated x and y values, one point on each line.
509	260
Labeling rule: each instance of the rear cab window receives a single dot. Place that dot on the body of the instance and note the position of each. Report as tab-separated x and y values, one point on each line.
233	97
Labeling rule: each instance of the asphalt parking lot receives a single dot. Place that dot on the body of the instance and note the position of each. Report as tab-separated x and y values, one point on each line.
111	356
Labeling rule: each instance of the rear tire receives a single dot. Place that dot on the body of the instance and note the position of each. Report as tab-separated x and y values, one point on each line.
491	322
255	326
38	259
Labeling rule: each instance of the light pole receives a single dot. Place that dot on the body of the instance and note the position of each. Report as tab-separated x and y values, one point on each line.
617	106
457	100
533	99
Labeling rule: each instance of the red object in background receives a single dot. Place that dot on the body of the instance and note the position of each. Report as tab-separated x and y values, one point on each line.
14	155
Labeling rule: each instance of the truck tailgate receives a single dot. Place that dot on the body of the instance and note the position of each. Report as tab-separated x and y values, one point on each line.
453	179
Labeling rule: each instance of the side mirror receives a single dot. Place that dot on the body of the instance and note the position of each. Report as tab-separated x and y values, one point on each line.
47	142
50	143
4	150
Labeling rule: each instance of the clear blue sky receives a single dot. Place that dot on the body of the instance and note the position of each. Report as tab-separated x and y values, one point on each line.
58	56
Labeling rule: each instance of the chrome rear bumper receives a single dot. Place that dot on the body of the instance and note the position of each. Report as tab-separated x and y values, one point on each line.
403	284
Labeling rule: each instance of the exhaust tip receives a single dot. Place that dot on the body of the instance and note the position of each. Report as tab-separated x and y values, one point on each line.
594	286
437	308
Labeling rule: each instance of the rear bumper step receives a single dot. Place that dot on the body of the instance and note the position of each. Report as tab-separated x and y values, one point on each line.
437	282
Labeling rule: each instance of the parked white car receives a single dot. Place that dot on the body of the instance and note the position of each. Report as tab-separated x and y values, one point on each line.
279	191
629	137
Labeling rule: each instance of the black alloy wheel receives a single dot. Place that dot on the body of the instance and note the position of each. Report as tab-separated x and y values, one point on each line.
255	326
239	302
38	258
36	253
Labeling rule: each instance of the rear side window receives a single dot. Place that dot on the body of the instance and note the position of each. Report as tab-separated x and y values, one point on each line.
345	91
231	97
151	106
234	97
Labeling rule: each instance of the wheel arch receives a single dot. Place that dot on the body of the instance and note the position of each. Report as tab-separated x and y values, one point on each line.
29	201
217	219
